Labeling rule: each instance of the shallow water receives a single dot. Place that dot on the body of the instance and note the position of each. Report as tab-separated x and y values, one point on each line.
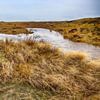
56	39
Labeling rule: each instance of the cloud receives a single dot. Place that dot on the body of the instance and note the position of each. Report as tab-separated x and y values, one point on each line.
11	10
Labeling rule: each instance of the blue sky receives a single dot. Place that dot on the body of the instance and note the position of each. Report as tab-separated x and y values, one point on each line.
48	10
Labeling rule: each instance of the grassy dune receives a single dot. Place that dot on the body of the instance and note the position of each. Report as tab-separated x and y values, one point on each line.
82	30
37	71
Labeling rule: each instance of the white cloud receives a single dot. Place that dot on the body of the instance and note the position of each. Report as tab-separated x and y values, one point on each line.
48	9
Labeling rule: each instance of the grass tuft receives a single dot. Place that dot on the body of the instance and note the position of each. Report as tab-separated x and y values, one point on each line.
36	70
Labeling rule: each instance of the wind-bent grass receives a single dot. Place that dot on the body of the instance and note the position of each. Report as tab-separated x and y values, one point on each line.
37	71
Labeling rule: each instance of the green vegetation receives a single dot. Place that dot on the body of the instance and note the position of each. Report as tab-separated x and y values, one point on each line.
37	71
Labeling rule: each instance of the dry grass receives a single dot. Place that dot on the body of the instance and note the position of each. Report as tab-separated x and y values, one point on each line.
37	71
83	30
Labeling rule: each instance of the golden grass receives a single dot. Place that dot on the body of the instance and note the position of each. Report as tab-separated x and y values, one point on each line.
37	71
83	30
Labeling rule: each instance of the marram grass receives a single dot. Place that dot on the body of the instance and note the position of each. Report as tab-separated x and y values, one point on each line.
37	71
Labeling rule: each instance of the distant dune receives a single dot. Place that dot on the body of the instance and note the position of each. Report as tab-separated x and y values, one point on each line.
83	30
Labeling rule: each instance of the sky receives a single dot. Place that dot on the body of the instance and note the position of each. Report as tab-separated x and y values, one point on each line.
48	10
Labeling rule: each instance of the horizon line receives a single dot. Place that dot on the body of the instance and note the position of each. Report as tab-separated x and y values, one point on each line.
49	20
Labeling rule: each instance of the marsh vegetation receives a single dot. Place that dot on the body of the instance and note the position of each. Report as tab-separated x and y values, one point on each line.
48	67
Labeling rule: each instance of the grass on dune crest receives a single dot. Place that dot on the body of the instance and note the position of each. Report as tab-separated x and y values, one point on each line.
37	71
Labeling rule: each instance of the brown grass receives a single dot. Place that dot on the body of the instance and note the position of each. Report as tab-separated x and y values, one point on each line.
83	30
37	71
